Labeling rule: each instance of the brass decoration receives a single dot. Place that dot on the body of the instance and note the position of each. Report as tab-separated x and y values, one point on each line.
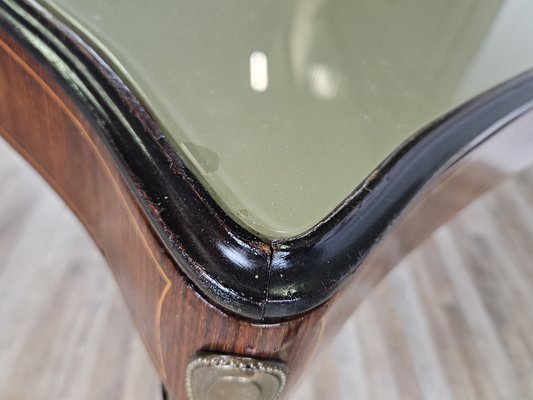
224	377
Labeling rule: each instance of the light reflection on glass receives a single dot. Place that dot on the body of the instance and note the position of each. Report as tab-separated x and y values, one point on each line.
258	71
323	81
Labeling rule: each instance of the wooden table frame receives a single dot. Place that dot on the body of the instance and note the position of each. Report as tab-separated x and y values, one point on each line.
82	129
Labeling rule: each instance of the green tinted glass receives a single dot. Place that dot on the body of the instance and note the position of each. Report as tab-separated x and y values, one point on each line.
282	108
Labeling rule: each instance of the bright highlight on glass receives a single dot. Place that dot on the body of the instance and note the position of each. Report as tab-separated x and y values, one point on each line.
324	83
258	71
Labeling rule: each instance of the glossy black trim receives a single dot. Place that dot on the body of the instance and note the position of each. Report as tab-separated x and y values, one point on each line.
309	269
233	268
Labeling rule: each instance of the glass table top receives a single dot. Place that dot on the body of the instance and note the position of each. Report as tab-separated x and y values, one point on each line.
282	108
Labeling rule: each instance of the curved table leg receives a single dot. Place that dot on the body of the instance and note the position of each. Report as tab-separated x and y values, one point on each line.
41	122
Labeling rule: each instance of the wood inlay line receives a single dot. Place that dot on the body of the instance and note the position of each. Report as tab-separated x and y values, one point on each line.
48	90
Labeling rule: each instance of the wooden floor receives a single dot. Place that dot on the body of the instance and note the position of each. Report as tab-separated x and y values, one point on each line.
454	321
